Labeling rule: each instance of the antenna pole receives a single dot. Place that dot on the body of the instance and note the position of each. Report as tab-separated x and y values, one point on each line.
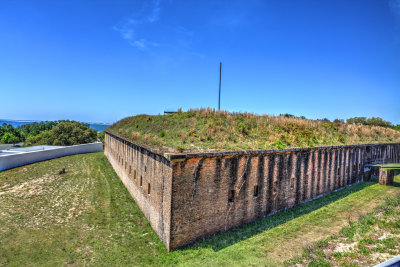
219	94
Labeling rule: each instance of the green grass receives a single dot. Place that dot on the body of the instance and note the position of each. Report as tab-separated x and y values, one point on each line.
87	217
397	175
372	239
205	129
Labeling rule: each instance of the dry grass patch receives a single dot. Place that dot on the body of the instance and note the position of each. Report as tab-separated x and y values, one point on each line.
372	239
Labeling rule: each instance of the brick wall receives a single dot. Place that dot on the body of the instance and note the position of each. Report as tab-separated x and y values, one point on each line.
147	176
215	192
199	194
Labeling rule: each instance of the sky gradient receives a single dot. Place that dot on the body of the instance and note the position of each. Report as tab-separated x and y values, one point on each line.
101	61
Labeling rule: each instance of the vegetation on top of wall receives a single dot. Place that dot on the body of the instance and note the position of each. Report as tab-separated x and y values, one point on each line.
375	121
210	130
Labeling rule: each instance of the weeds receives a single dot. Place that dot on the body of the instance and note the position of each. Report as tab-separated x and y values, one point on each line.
208	129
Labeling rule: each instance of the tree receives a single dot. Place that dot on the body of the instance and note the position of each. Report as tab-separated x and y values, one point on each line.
338	120
374	121
66	133
8	128
37	127
357	120
287	115
9	138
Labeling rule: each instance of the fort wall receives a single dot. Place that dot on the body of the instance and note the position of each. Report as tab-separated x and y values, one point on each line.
147	176
216	192
199	194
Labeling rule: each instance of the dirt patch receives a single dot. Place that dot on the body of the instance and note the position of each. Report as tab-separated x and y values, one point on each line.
287	249
344	247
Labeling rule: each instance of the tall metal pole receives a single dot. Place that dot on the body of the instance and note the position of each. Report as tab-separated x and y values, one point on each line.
219	94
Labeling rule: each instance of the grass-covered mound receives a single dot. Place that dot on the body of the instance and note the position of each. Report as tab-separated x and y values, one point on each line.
206	129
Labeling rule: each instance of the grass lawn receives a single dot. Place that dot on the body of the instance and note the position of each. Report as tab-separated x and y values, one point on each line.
87	217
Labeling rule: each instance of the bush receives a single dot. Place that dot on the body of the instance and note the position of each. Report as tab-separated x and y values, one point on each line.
357	120
338	120
374	121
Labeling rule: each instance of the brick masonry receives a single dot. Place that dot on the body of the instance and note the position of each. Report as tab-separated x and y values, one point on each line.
147	176
386	176
196	195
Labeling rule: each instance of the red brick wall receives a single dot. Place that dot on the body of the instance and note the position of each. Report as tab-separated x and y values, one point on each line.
201	185
189	196
133	163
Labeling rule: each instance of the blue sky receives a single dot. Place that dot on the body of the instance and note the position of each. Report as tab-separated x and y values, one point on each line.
105	60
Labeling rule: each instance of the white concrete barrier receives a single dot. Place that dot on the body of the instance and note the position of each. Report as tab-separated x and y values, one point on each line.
23	158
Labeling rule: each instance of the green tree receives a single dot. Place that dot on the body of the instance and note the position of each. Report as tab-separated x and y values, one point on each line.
8	128
357	120
35	128
9	138
376	121
66	133
338	120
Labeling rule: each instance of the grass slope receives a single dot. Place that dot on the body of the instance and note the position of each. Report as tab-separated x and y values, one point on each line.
205	129
87	217
371	240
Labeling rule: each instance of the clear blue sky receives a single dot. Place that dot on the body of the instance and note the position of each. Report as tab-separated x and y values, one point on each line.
105	60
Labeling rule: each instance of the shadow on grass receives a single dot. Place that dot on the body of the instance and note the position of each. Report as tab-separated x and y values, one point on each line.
222	240
396	181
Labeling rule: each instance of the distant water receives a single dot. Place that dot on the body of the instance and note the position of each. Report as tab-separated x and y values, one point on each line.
97	127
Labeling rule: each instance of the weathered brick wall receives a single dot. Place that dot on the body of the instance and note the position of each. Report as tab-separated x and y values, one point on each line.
199	194
147	176
386	176
262	182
